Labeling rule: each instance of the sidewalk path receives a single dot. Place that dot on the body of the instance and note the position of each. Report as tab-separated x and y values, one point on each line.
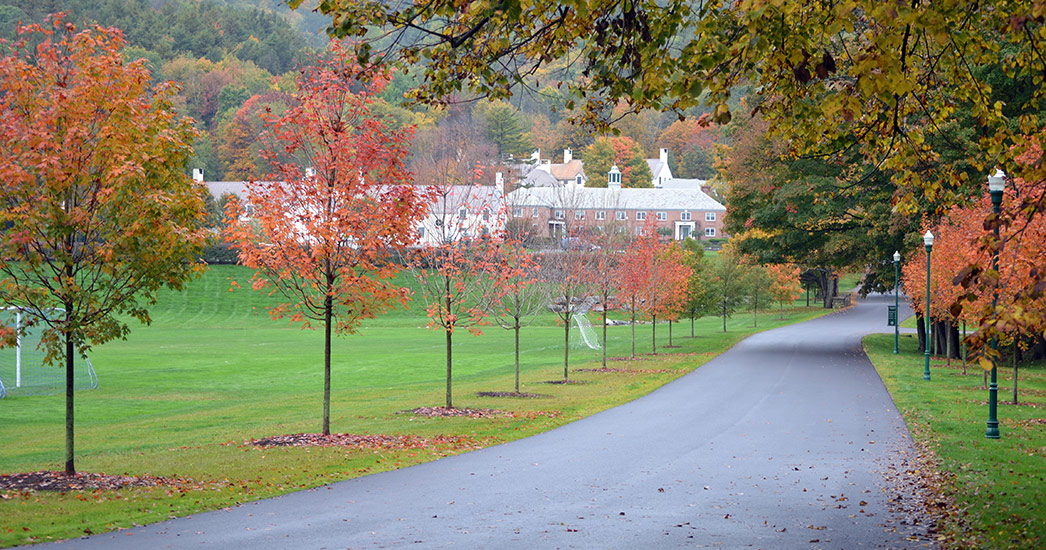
779	443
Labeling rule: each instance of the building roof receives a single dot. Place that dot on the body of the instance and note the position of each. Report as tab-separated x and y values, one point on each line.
473	197
679	183
617	199
539	178
655	166
220	188
568	171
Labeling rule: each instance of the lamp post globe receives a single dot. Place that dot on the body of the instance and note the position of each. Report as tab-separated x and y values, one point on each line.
996	186
928	241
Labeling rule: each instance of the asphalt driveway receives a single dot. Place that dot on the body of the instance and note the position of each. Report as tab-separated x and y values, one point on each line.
782	442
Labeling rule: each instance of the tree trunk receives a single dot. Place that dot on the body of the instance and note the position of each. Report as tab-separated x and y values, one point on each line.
724	314
669	333
948	346
755	306
692	314
653	332
807	295
450	403
566	345
920	329
328	314
517	356
633	328
604	334
70	467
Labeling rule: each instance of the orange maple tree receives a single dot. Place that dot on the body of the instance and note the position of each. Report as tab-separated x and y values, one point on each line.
666	289
98	213
335	208
784	284
635	273
512	284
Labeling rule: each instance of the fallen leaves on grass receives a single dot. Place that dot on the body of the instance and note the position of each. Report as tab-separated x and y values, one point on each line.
630	371
83	481
519	395
444	412
370	441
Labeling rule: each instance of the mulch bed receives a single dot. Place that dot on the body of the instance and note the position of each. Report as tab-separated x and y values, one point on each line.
560	382
1007	402
84	481
519	395
368	441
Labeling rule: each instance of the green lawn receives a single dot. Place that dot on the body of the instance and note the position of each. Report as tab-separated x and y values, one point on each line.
995	487
179	397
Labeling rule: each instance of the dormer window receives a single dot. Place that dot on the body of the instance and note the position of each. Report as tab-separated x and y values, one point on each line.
578	179
463	213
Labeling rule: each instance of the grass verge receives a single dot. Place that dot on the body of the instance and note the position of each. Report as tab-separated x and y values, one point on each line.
994	487
180	398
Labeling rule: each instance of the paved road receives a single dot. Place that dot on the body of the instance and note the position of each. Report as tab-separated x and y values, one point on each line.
779	443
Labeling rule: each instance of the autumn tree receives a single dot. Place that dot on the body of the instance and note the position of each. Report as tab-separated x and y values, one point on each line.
602	273
698	301
459	234
666	288
605	152
635	274
567	291
728	282
335	208
516	295
784	284
98	212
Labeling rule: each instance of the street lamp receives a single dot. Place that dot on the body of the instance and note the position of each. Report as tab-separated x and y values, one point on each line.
996	185
928	241
897	319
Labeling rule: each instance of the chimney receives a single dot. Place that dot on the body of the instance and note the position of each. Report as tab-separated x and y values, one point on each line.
197	174
545	165
707	189
568	155
536	156
499	182
664	156
614	178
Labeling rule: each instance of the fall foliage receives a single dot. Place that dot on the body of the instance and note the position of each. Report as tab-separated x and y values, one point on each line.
98	213
336	206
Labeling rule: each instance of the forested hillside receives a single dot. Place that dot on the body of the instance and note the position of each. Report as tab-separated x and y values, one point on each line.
235	58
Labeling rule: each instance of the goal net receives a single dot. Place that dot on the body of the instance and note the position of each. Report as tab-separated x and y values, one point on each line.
587	334
22	367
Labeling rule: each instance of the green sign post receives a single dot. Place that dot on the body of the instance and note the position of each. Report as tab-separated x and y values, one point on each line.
891	316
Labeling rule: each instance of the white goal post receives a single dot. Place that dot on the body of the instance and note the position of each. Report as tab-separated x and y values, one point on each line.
22	368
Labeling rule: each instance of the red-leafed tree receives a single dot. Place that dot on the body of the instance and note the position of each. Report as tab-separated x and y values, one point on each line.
602	274
516	295
666	288
460	234
98	214
635	273
784	284
336	207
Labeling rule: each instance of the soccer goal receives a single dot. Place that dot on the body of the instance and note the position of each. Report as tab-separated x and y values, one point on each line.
585	330
22	368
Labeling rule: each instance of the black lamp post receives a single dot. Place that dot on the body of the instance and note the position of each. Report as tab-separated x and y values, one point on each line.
897	319
996	185
928	241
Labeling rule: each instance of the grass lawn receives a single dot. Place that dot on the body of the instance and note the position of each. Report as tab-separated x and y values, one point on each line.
179	398
996	487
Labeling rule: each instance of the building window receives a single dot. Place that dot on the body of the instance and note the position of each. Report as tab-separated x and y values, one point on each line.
486	214
578	179
579	214
621	215
462	213
534	213
685	216
559	214
710	232
709	216
662	216
601	215
517	211
640	216
421	232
